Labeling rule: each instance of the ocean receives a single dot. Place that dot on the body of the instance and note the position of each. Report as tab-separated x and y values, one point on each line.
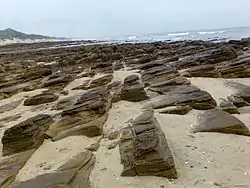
216	35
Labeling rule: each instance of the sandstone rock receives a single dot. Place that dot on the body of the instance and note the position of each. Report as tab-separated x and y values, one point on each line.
228	107
172	82
112	145
83	86
113	135
132	78
150	65
93	147
102	67
180	110
145	59
74	173
211	56
10	166
238	69
114	85
26	135
40	99
184	95
116	97
133	90
101	81
83	114
204	71
144	150
159	74
216	55
219	121
10	106
56	79
36	72
237	101
64	92
244	93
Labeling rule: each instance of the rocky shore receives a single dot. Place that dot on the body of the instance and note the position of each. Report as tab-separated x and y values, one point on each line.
149	115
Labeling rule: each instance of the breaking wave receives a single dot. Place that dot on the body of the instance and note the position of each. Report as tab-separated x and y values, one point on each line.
178	34
210	32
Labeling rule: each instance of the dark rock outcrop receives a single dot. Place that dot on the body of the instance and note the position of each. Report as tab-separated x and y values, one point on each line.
219	121
10	166
227	106
40	99
237	101
56	79
26	135
238	69
211	56
204	71
102	81
74	173
35	72
144	149
159	74
183	95
132	89
83	114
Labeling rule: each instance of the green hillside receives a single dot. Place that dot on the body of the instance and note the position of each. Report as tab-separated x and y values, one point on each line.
11	34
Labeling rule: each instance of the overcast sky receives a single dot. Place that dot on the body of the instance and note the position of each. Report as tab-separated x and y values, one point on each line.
98	18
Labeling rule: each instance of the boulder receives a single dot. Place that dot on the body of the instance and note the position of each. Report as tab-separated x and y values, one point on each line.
10	166
219	121
132	89
227	106
82	114
144	149
40	99
26	135
74	173
184	95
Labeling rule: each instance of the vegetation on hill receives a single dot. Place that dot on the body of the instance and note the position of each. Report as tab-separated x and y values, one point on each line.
11	34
